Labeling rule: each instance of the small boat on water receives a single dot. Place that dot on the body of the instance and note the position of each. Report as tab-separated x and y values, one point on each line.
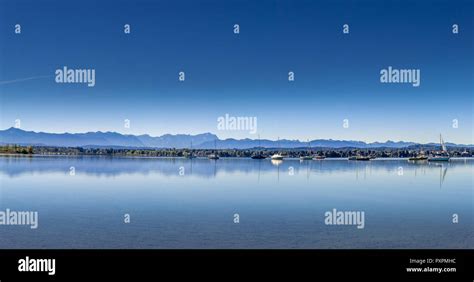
307	157
359	158
319	157
277	157
214	156
443	155
438	158
362	158
420	157
190	155
258	155
465	154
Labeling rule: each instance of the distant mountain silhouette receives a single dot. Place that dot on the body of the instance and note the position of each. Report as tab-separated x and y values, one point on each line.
200	141
100	139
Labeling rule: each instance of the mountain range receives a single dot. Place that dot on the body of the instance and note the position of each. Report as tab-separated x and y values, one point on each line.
179	141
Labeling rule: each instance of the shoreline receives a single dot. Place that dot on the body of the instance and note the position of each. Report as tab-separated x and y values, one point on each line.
305	153
206	158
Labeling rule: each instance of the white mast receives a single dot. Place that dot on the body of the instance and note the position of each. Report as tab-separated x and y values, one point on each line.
442	144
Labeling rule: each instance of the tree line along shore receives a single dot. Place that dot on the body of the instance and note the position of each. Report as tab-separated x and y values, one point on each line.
236	153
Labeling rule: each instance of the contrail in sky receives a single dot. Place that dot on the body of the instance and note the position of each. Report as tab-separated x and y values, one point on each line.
23	79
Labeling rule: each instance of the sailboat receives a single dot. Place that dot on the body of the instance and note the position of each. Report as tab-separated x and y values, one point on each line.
307	157
190	155
214	156
277	156
259	155
442	156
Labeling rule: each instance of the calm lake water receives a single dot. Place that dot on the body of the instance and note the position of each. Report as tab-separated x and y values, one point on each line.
182	203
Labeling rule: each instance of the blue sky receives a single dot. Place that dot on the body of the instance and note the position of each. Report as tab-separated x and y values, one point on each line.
336	75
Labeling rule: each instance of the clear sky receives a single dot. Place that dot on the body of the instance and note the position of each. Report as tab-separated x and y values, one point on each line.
337	76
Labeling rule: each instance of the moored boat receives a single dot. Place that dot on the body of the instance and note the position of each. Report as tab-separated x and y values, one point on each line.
443	155
277	157
307	157
418	158
359	158
439	159
362	158
214	156
190	155
258	155
465	154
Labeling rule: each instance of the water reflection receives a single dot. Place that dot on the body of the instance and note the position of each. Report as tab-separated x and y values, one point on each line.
189	203
201	167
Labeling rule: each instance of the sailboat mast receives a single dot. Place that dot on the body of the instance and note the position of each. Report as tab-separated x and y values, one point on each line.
443	146
441	142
